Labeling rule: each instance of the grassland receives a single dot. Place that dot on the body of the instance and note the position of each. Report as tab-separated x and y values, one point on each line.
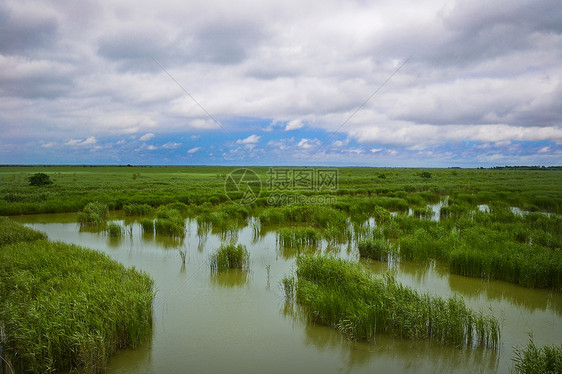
64	307
75	186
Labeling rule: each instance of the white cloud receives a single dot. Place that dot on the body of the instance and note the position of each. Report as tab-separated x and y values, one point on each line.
294	125
171	145
48	145
252	139
193	150
146	137
81	142
152	148
305	143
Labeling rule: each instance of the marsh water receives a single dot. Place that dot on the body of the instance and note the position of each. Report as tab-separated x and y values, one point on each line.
239	322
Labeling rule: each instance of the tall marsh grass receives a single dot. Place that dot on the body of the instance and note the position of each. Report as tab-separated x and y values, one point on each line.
138	209
538	360
376	249
13	232
65	307
94	214
230	257
170	222
345	296
298	237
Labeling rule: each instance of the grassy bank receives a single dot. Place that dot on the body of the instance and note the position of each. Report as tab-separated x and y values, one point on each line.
65	307
345	296
12	232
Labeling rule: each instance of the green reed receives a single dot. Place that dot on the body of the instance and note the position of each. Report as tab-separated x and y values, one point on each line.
114	230
12	232
537	360
345	296
230	257
138	209
94	214
169	222
64	307
376	249
298	237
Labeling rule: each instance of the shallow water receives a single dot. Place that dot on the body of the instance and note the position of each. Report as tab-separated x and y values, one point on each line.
239	323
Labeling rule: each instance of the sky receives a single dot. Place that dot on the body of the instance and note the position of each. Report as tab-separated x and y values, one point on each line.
417	83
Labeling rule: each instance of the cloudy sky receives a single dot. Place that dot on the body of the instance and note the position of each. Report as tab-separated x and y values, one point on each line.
308	82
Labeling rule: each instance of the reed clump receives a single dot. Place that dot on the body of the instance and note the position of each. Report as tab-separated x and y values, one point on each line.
375	249
94	214
138	209
538	360
345	296
147	225
321	217
169	222
13	232
114	230
64	307
230	257
296	237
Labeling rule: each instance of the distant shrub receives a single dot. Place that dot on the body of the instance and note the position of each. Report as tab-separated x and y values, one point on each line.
425	174
40	179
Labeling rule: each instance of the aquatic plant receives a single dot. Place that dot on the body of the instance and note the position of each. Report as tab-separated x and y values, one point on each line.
345	296
64	307
376	249
114	230
169	222
298	236
538	360
147	225
138	209
94	214
230	257
13	232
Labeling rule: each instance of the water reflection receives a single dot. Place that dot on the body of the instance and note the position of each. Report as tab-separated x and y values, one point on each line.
389	354
230	278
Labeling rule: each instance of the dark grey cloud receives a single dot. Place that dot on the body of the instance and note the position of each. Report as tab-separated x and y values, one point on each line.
21	33
221	42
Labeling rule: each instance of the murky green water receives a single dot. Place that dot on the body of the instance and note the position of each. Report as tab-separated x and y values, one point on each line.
239	323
